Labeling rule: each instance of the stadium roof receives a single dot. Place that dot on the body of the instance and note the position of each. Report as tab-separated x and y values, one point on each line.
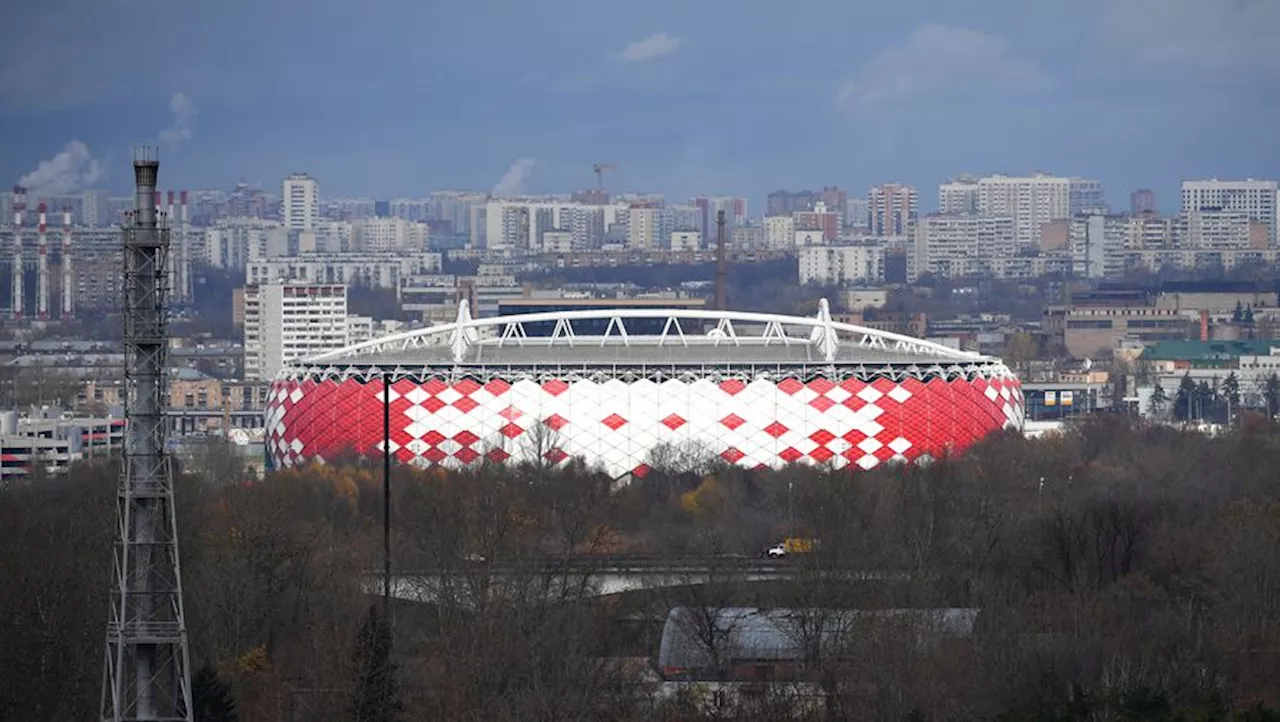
643	336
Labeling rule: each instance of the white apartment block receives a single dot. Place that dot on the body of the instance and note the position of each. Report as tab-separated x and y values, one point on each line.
1097	244
832	265
894	208
288	322
779	232
959	246
380	235
644	228
300	202
1221	230
519	224
1033	201
236	242
686	240
559	242
372	270
747	237
958	197
1257	198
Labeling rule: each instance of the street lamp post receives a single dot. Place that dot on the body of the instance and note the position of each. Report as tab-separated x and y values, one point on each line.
386	499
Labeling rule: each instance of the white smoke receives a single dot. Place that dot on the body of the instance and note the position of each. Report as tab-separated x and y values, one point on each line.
67	172
512	183
184	117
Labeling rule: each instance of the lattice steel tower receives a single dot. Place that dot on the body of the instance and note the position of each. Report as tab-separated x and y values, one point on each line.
146	674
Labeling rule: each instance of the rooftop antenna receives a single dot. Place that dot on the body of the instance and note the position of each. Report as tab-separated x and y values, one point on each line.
146	673
722	269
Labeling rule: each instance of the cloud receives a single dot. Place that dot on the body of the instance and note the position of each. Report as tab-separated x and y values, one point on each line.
67	172
184	117
651	48
1242	35
513	181
938	60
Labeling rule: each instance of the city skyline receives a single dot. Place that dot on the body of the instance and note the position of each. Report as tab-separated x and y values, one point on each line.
684	100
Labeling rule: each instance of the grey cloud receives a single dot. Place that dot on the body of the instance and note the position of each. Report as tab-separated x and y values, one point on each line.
1243	35
940	59
651	48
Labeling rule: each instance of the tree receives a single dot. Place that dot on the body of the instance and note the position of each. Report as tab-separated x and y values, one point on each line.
1238	315
1231	394
1184	401
1159	400
211	699
1271	392
375	698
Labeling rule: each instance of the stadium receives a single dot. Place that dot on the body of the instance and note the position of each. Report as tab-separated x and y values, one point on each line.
626	390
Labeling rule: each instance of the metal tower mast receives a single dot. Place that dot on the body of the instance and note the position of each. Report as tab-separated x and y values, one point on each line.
146	674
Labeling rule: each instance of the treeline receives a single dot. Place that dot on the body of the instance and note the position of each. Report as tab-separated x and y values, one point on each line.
1122	571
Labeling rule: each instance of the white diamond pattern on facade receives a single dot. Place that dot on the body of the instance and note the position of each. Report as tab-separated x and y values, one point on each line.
756	422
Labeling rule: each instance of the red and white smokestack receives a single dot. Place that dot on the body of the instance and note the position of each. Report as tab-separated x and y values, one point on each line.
42	261
184	251
68	290
19	206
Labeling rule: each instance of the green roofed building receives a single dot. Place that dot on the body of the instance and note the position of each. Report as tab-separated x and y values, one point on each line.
1208	354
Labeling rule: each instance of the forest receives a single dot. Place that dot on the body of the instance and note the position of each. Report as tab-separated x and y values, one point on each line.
1124	571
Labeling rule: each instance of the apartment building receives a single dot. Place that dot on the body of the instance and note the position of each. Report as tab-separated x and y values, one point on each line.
832	265
956	246
285	322
373	270
1255	198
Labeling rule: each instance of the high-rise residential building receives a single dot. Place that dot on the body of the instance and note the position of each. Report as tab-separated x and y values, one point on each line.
1035	200
1142	201
857	214
956	246
735	213
1257	198
958	196
836	200
300	202
784	203
1096	243
388	234
644	227
829	265
894	208
285	322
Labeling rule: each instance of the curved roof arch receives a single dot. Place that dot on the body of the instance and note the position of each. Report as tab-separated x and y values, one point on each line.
820	332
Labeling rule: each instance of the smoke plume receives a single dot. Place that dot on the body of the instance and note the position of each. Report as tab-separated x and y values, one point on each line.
512	183
71	170
184	117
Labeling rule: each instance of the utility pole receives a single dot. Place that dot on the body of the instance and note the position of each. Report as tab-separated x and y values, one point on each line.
722	266
386	499
146	673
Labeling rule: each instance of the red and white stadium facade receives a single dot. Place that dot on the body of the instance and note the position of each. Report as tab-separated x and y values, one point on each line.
756	390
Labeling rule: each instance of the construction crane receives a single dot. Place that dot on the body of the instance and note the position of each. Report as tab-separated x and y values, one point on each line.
600	168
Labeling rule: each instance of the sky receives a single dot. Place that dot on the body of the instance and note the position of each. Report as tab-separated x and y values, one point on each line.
387	98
